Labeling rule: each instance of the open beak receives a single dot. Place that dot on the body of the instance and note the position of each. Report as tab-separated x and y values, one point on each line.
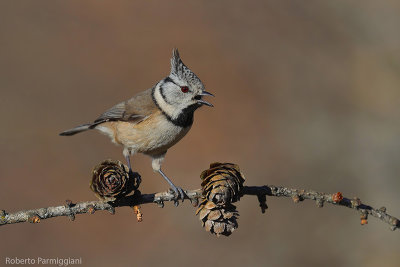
206	93
203	102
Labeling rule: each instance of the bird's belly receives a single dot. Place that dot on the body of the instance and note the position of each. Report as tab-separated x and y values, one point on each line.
152	136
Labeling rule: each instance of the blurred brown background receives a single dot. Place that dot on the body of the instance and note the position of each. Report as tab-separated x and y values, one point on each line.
307	96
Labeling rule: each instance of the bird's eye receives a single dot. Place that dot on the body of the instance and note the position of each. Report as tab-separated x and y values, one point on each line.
185	89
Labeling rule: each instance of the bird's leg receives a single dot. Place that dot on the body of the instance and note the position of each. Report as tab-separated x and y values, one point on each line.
156	165
128	161
179	193
127	154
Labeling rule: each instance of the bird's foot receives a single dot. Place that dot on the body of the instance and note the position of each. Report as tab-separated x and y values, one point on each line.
179	193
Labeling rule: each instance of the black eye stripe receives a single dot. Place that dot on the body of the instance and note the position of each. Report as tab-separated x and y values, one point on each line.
168	79
184	89
163	95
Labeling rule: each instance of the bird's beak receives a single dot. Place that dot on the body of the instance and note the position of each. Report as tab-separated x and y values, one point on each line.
206	93
203	102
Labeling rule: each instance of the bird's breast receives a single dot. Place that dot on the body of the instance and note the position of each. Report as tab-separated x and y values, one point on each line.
153	135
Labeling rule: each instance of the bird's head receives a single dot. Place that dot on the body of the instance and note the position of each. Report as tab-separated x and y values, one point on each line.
181	91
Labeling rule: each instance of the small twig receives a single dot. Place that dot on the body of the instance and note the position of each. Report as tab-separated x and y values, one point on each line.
70	209
298	195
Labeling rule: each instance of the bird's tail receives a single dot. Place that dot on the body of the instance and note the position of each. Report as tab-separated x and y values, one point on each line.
78	129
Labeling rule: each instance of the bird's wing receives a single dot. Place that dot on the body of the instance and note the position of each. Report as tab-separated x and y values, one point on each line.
135	109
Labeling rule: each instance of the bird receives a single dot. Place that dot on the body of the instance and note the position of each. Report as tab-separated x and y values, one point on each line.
154	120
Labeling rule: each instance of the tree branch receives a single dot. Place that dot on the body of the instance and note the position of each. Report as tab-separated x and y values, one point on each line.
70	209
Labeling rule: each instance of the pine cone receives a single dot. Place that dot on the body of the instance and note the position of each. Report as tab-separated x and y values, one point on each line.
218	220
222	183
111	180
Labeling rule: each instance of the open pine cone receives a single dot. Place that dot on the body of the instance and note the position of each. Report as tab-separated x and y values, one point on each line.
222	183
217	219
111	180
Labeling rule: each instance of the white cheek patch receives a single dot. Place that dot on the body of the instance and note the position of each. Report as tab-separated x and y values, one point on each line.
168	109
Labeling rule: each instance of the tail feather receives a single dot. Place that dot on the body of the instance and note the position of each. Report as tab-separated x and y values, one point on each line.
78	129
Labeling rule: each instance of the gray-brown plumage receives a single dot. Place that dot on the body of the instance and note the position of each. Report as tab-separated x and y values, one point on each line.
153	120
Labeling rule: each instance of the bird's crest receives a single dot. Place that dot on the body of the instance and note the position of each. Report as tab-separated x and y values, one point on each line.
176	63
180	70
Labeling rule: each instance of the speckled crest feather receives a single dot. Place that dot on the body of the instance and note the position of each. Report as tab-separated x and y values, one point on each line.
179	69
